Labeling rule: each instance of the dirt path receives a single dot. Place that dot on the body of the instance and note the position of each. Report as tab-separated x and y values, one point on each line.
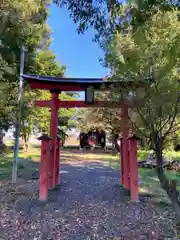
89	205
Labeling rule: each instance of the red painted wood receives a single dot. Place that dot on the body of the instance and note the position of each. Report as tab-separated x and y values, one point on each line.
50	167
125	152
42	103
81	104
125	163
53	134
49	86
57	163
78	104
121	162
78	85
134	188
49	173
43	170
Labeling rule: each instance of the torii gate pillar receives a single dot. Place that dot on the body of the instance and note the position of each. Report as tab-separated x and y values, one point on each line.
53	134
55	85
133	167
124	148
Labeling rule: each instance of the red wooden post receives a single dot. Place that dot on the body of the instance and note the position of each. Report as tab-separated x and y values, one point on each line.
122	165
43	167
125	155
134	188
57	163
53	134
78	104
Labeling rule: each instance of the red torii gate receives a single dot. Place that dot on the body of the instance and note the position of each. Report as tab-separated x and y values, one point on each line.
50	149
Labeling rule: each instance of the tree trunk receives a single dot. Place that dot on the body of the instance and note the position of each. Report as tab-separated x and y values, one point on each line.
170	186
25	142
2	145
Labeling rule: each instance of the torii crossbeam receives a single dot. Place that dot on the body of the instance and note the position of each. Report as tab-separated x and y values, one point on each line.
50	155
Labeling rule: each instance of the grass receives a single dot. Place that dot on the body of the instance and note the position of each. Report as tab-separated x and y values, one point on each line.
6	161
5	167
148	181
172	154
143	154
32	153
147	177
149	184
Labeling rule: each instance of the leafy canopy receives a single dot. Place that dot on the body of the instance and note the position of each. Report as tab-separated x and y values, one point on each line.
153	49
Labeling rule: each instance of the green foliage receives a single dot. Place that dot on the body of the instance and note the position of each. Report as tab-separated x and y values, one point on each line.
45	64
152	49
21	24
108	16
144	46
151	52
25	23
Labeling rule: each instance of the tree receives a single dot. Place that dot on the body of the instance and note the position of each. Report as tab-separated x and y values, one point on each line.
22	23
25	23
45	64
107	16
153	50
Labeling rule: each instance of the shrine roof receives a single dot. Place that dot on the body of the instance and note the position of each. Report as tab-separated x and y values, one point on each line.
56	79
72	84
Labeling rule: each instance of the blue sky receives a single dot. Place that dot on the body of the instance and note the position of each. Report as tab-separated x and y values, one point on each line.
77	52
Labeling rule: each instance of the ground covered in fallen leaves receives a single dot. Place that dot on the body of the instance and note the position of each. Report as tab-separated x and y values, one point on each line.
89	204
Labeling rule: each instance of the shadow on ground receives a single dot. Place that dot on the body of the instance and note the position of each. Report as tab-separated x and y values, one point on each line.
89	204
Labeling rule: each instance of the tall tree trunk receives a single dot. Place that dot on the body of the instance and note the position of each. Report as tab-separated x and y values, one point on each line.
25	142
170	186
2	145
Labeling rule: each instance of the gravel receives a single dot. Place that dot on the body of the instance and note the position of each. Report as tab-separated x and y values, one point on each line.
89	204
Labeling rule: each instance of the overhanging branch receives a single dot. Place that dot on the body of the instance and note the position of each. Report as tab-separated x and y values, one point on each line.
137	128
176	109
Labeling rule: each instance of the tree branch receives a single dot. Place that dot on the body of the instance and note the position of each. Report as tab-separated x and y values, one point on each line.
176	108
175	129
137	128
145	121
